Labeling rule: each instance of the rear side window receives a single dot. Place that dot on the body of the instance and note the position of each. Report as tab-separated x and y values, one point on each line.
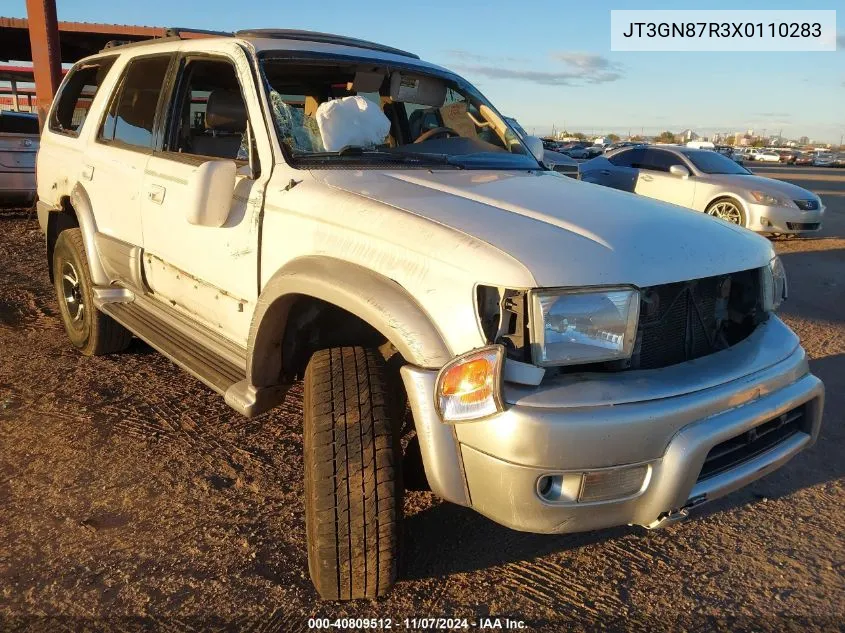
132	112
627	158
74	101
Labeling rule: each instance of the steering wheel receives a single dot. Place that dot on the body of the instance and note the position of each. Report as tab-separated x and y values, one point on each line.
437	131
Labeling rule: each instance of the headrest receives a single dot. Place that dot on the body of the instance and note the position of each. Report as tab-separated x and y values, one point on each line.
138	107
225	111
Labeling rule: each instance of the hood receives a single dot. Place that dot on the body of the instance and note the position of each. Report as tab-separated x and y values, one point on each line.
761	183
565	232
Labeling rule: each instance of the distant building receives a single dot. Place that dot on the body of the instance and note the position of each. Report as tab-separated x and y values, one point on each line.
688	135
804	140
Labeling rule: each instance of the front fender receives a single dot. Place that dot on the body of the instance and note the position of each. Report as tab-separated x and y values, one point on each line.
375	299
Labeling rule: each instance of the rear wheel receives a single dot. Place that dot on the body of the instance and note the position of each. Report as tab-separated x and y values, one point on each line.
353	487
728	210
91	332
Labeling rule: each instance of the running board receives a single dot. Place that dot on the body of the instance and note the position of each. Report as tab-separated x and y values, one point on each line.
216	361
216	372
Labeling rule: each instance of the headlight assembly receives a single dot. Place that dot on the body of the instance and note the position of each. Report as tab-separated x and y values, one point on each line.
774	287
579	326
761	197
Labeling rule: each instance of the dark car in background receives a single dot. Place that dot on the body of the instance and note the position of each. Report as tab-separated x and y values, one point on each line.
19	134
803	158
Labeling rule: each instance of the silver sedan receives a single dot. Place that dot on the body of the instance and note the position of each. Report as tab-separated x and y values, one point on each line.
704	180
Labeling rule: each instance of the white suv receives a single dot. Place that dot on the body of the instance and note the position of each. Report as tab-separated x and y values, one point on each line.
283	205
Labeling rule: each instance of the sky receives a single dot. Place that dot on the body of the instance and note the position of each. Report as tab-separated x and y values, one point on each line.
549	63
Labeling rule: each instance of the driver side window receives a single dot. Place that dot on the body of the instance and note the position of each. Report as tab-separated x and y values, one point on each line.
209	114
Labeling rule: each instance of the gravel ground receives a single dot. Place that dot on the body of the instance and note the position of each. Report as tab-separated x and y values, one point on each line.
134	499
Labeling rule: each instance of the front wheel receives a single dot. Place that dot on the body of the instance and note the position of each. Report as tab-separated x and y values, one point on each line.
727	210
353	486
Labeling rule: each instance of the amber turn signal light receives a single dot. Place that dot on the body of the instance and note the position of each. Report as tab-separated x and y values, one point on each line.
470	386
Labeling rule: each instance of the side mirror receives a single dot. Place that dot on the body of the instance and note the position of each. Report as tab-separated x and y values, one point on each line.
210	191
680	171
535	146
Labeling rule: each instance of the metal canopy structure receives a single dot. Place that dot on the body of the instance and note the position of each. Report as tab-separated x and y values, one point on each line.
47	43
80	39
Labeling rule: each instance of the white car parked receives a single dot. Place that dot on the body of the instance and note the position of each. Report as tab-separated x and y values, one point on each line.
768	157
707	181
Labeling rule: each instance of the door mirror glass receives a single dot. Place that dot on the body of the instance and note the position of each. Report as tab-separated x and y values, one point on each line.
680	171
210	191
535	146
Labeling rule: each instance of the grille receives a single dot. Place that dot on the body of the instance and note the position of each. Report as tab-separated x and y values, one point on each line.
807	205
752	443
802	226
687	320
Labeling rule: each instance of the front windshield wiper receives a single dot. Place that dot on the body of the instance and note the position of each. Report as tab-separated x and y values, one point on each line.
354	151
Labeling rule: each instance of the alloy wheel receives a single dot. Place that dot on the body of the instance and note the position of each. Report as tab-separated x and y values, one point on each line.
72	293
726	211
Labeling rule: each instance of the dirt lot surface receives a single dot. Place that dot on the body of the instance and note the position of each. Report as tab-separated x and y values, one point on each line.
133	498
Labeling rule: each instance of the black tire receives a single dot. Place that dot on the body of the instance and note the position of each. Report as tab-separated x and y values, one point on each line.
91	332
353	483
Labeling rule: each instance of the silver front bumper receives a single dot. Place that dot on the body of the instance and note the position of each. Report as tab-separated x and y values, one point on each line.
494	465
769	219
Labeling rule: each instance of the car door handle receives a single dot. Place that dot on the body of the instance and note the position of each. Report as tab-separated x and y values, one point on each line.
646	177
88	172
156	194
605	172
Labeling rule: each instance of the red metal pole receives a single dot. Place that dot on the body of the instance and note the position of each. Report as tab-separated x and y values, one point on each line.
46	53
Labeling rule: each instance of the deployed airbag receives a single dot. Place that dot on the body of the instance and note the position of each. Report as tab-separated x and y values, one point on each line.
351	121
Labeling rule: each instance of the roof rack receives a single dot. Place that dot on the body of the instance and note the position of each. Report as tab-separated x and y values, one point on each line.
323	38
187	34
121	44
170	34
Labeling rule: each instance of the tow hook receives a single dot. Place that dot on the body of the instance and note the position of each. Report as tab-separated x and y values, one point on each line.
668	517
673	516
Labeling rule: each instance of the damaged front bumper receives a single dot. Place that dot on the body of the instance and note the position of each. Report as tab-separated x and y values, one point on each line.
591	451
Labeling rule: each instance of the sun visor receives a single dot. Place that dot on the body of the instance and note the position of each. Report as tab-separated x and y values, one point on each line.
426	91
367	82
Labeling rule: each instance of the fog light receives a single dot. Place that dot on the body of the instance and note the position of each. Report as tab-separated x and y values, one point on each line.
607	484
563	488
613	483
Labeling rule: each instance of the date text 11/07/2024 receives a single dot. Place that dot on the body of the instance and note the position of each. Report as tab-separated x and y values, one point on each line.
418	624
